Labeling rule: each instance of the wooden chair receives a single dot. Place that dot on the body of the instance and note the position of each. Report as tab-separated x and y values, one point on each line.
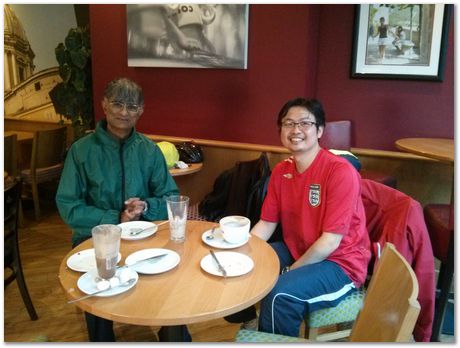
391	216
390	307
47	161
12	259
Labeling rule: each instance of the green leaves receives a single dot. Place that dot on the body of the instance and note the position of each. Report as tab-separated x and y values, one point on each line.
72	98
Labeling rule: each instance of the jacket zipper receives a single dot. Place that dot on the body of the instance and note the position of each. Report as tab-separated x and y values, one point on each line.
122	176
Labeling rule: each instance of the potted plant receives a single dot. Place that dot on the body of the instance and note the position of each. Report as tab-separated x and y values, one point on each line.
73	97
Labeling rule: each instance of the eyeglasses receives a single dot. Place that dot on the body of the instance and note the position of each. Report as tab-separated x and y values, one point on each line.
301	124
130	108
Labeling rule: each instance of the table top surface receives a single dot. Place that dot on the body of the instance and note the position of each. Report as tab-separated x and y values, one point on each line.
186	294
22	135
193	168
438	148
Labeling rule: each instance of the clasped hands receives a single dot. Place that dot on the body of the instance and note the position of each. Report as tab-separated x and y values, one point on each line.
134	208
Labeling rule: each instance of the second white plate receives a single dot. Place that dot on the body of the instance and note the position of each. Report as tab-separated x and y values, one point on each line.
235	264
156	266
84	261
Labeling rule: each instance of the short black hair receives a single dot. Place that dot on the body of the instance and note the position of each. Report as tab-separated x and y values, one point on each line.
125	91
312	105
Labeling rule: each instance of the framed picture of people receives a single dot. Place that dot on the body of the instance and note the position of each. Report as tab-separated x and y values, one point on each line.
400	41
187	35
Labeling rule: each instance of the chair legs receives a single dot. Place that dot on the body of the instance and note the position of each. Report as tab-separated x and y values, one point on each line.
446	273
25	294
18	275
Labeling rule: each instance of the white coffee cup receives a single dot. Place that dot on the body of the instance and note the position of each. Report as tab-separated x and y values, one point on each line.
234	228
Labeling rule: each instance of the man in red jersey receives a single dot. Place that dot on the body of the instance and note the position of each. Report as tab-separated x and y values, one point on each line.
316	197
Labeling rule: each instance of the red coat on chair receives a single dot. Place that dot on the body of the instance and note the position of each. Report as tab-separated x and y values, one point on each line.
394	217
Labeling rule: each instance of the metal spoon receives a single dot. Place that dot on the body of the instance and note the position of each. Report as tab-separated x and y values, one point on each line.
135	231
126	283
211	235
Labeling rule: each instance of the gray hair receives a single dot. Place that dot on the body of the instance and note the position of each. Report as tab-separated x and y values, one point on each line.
125	91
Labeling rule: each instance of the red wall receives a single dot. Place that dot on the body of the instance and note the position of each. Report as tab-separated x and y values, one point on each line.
382	111
293	50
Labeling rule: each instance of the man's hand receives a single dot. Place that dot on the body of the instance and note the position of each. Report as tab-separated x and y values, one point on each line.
134	208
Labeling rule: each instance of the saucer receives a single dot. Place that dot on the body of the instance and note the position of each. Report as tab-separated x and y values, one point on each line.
87	283
219	242
235	264
84	261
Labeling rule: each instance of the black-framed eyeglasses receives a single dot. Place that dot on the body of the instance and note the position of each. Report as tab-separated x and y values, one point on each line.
302	124
130	108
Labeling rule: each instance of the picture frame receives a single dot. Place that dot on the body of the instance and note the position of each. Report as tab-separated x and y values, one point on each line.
187	35
400	41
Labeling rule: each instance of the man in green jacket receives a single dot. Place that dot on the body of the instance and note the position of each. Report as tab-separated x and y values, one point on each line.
113	175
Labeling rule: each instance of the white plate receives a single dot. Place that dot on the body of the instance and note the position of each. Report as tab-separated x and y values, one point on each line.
127	226
219	242
87	283
235	264
84	261
155	266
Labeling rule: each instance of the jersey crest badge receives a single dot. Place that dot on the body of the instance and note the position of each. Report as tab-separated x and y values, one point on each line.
314	195
288	176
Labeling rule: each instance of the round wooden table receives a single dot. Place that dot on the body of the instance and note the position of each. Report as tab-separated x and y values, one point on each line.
193	168
437	148
186	294
441	149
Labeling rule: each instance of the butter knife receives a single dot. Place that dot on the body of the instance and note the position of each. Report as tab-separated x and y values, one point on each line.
219	265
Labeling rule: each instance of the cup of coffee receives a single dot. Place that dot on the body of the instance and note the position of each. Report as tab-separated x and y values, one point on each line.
106	241
234	228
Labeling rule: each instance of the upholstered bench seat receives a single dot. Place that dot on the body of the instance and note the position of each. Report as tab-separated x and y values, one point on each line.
250	336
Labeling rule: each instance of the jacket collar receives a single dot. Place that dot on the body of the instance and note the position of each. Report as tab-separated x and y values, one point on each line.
106	138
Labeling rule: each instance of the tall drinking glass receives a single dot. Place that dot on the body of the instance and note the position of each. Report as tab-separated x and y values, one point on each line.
106	241
177	214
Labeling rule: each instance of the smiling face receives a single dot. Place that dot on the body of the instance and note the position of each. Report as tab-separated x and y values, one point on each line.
120	121
300	140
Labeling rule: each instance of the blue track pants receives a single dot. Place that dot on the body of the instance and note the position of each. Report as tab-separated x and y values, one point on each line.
302	290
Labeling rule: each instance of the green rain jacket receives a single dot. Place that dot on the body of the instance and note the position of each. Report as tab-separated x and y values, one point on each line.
100	173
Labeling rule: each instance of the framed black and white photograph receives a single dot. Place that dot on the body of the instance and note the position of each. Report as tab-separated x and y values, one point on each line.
188	35
400	41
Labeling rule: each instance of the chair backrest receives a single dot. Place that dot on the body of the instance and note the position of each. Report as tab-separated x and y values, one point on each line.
337	135
390	307
48	148
10	160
